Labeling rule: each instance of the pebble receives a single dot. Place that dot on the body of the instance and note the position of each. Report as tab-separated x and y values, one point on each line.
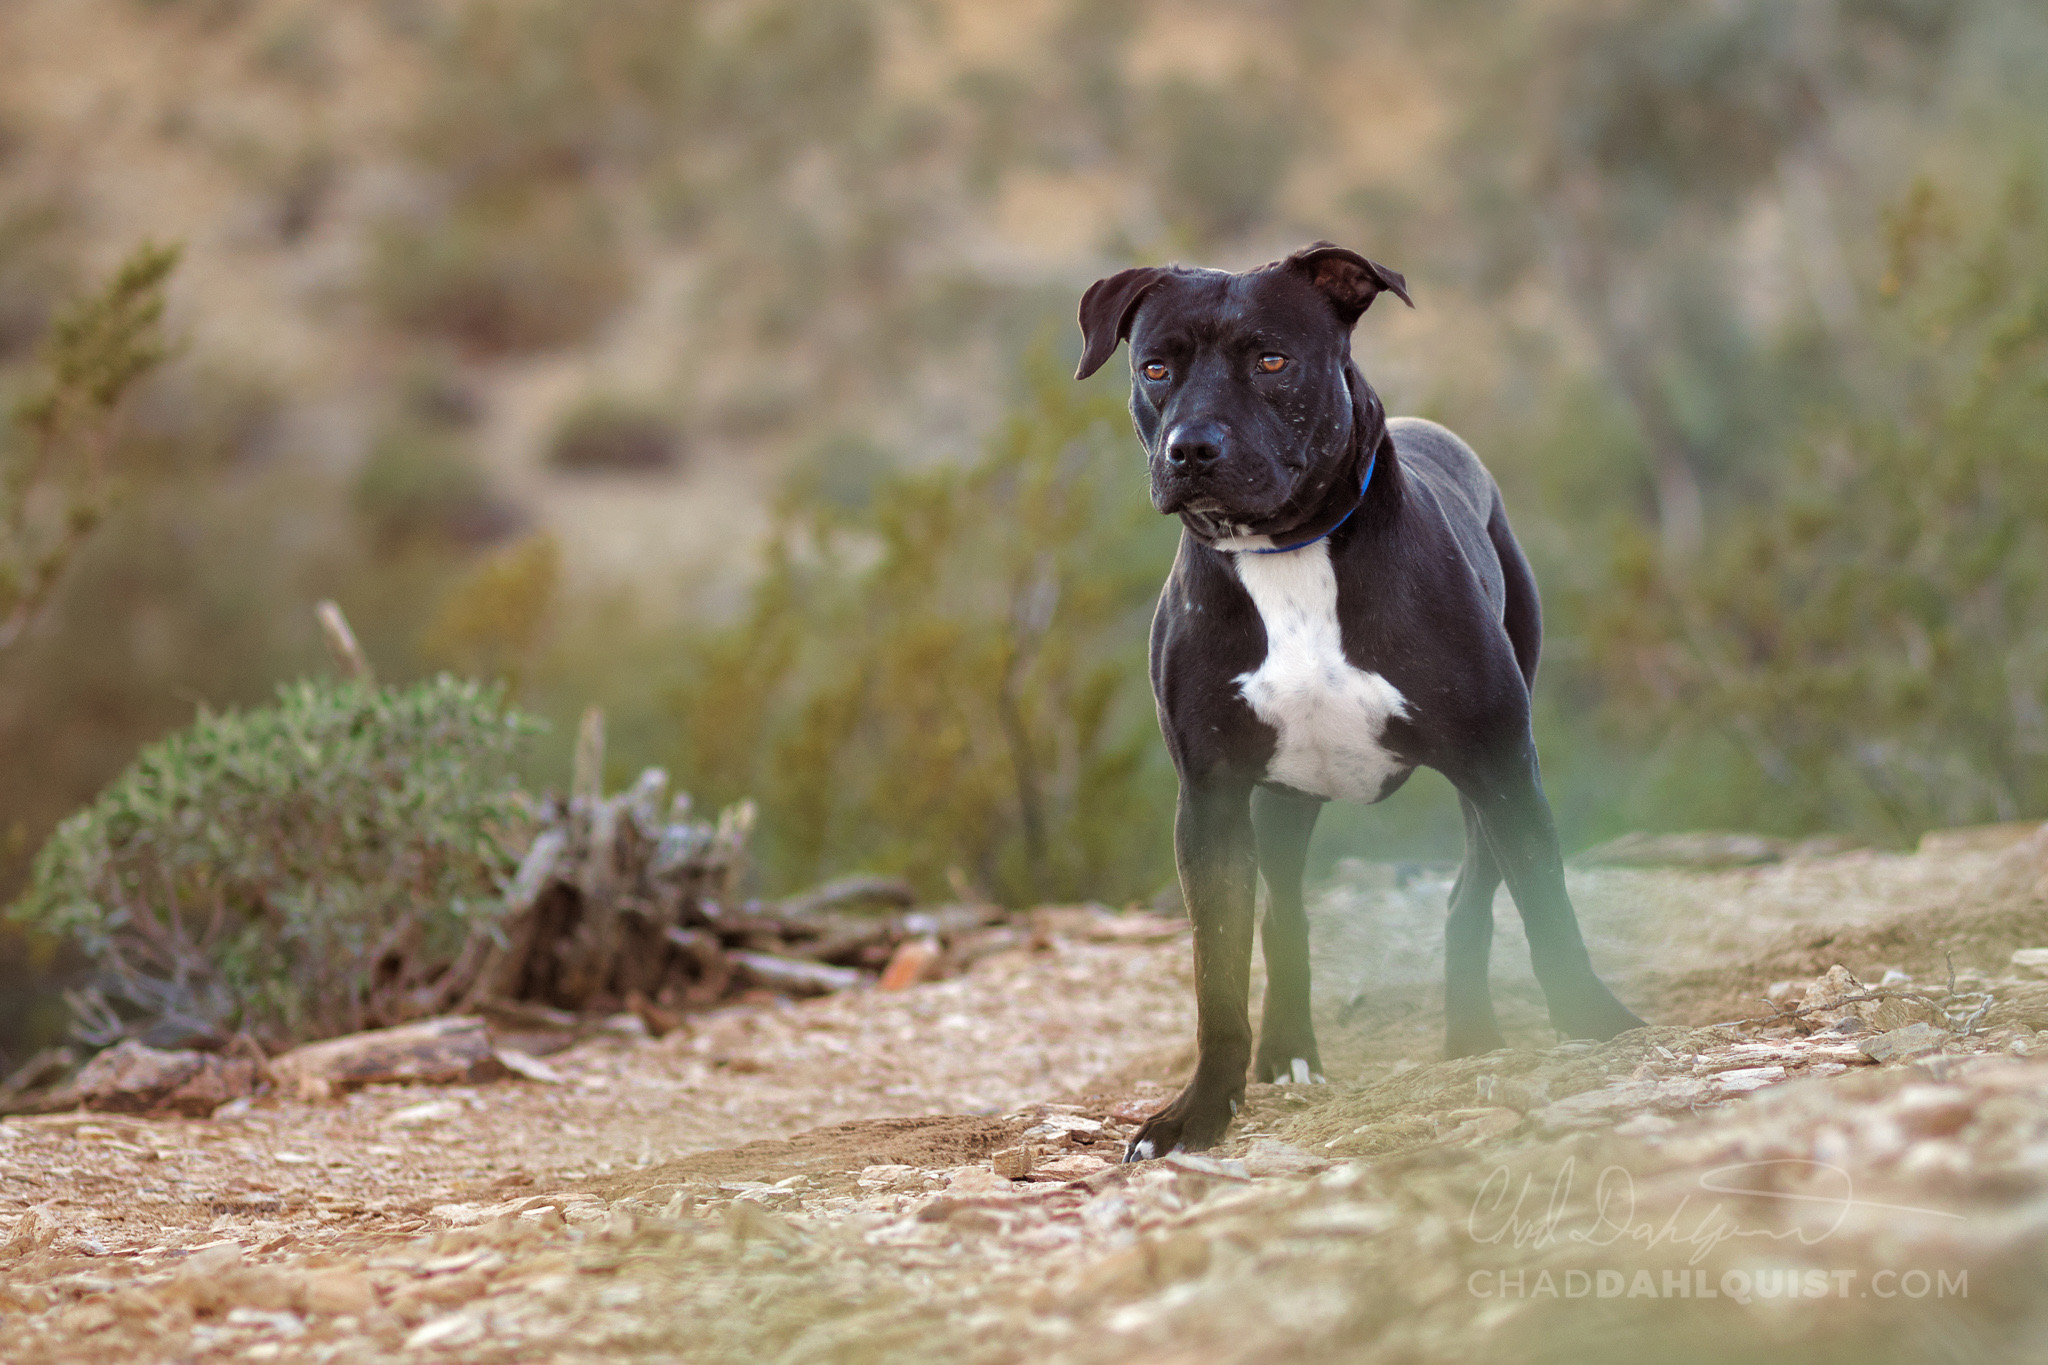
1268	1157
1899	1044
1013	1163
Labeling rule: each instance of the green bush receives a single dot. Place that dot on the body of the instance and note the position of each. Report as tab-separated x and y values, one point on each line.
615	436
1867	649
419	485
293	871
503	278
1224	152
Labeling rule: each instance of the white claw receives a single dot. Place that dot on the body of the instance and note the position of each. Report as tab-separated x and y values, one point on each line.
1142	1150
1299	1066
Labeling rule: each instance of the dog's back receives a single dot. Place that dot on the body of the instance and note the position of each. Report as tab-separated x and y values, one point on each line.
1450	474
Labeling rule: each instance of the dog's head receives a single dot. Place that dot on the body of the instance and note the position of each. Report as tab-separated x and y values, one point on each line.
1242	385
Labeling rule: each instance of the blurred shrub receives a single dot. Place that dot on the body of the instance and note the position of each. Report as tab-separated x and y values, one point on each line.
420	484
951	674
537	92
294	49
1868	648
841	472
792	72
493	618
613	435
502	278
296	870
209	14
1224	151
195	420
57	481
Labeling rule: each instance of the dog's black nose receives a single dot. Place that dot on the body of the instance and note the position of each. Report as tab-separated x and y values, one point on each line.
1194	443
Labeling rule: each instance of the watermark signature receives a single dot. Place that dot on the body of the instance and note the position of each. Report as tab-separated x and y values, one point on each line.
1532	1217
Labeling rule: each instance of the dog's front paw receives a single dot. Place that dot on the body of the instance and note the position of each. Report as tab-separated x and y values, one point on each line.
1189	1123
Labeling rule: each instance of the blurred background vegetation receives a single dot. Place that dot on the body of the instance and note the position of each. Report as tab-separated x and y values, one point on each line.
703	359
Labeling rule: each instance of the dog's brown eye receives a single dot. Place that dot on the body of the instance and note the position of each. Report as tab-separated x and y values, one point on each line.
1155	371
1272	364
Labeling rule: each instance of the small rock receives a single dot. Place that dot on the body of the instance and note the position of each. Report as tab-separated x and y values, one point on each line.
283	1324
1503	1091
1062	1129
1746	1079
972	1180
336	1291
1013	1163
1480	1125
1823	998
1644	1126
1270	1157
133	1079
30	1232
1138	1109
1886	1015
1221	1168
456	1329
1914	1040
458	1215
1932	1111
531	1068
2033	960
1075	1166
1935	1157
1595	1108
211	1260
915	960
417	1115
460	1260
86	1318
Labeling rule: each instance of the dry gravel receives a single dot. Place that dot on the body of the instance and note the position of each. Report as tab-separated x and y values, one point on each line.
812	1181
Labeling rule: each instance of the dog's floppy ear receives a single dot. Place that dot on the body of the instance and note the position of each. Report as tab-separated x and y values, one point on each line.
1106	311
1347	279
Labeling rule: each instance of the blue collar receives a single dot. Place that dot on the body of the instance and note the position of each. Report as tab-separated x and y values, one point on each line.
1363	484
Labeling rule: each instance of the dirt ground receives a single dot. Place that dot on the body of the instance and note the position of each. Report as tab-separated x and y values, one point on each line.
813	1181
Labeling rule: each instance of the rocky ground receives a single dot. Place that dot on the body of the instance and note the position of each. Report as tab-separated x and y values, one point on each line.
1798	1160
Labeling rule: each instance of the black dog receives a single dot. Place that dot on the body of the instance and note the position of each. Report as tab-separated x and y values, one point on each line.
1347	604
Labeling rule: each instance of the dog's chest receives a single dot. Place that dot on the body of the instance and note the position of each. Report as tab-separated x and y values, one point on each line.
1330	716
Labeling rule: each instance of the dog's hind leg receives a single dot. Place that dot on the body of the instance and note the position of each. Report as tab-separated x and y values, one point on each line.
1282	823
1522	836
1469	1025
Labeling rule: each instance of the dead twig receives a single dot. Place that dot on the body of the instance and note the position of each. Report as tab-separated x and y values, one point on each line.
1947	1005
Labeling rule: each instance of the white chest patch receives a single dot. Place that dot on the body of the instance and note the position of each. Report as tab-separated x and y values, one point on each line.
1330	715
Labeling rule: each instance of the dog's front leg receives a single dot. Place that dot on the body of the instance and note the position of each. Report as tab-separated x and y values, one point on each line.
1515	818
1213	845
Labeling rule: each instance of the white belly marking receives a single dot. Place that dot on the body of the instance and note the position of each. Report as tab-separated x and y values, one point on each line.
1330	716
